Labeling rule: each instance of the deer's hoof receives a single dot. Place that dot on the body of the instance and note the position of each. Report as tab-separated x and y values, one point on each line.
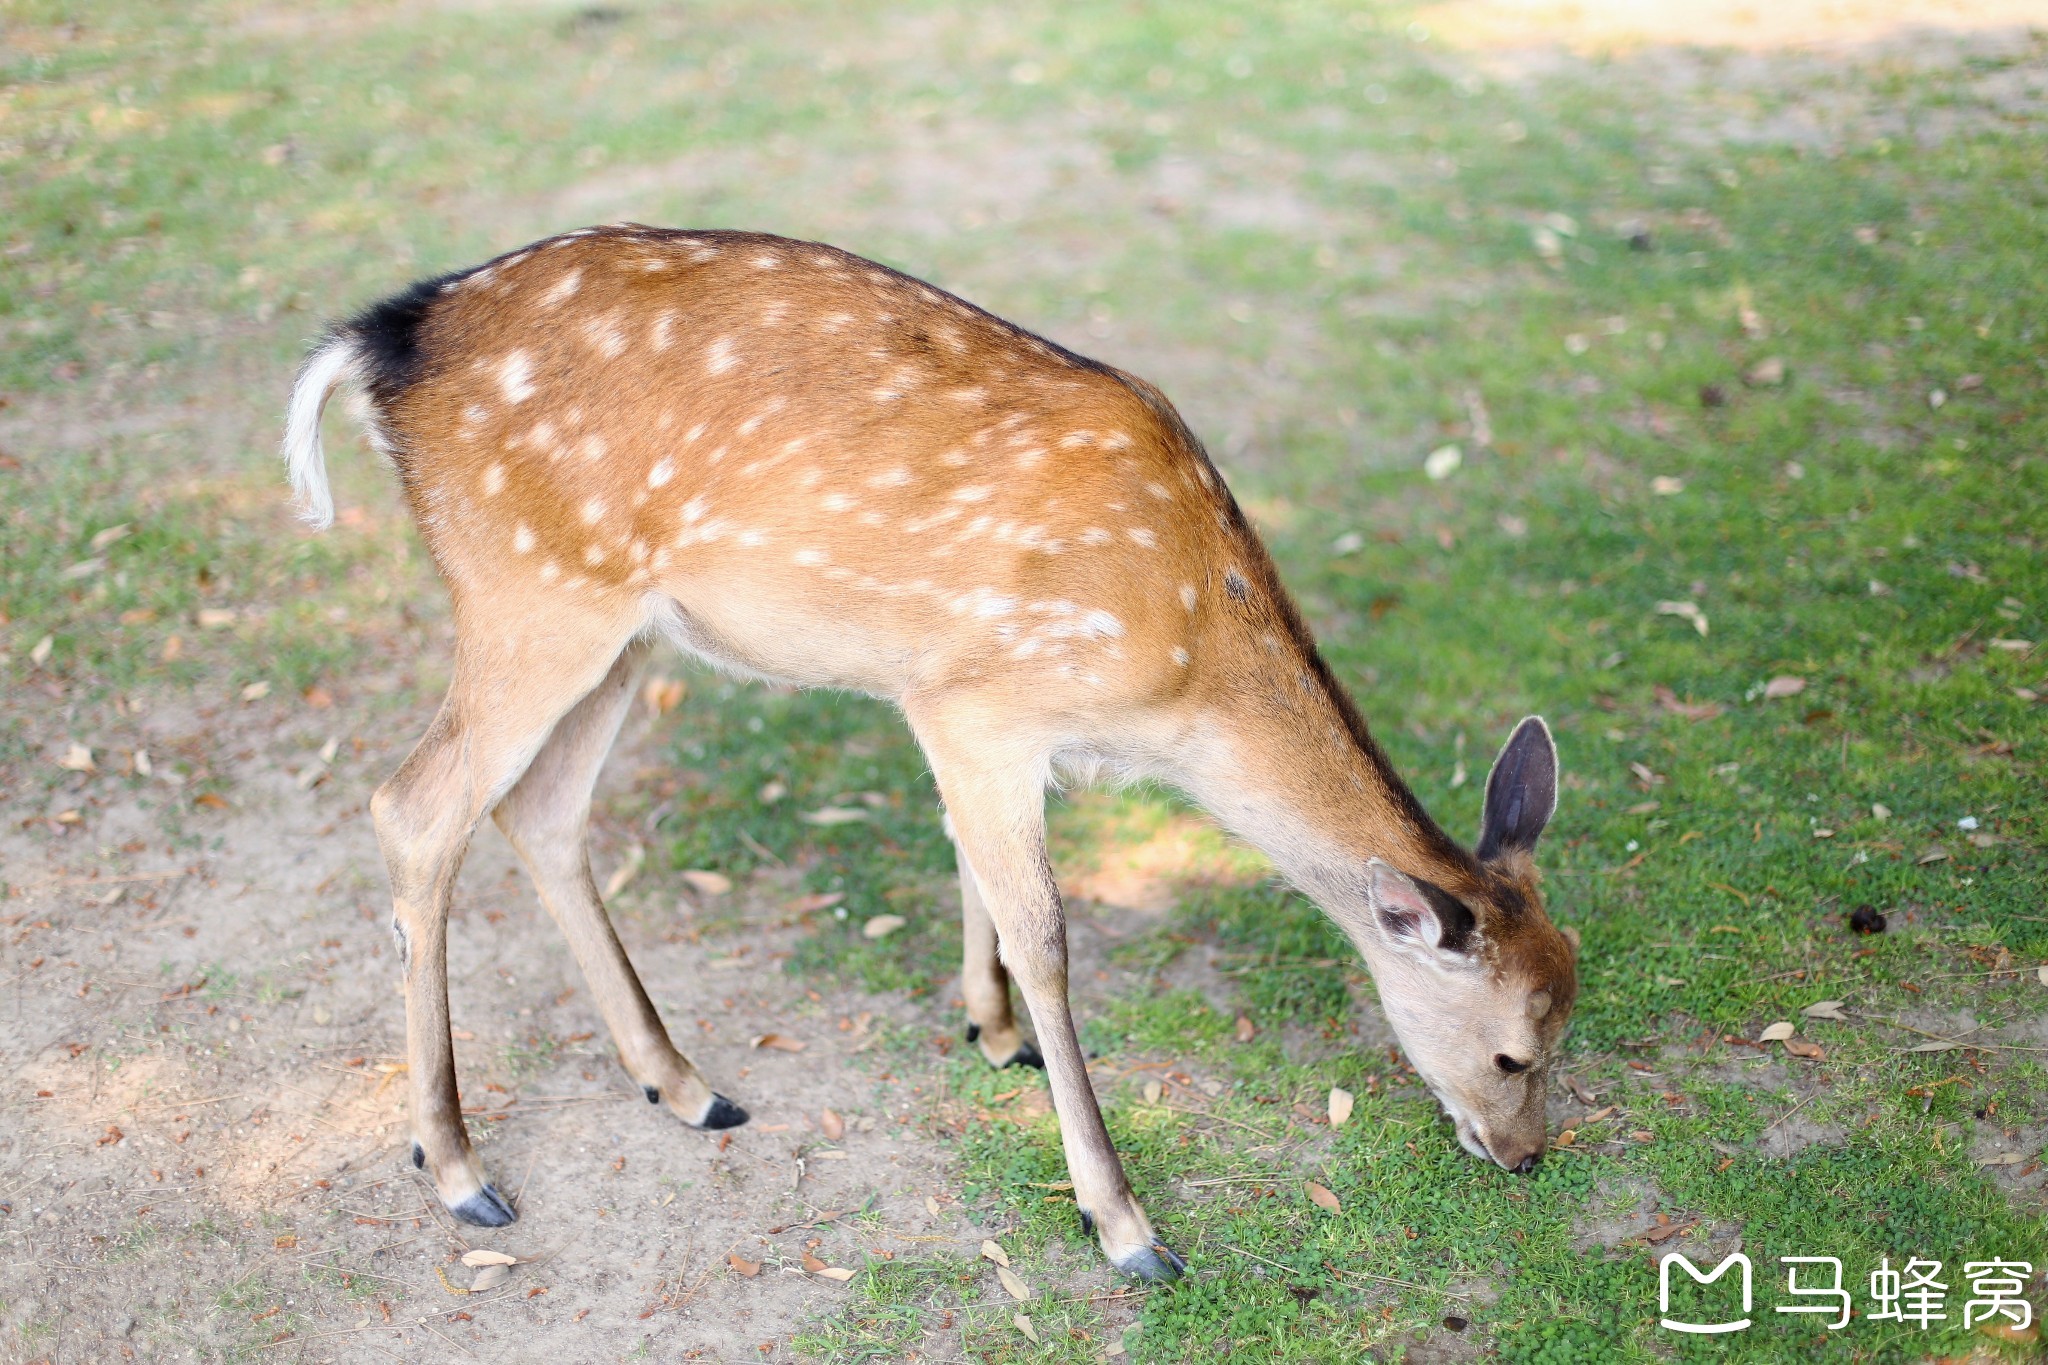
1156	1263
722	1113
1027	1054
485	1209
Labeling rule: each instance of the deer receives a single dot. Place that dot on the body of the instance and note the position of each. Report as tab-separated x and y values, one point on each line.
795	464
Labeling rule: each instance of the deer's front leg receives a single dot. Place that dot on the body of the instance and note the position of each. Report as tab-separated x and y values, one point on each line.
984	983
999	821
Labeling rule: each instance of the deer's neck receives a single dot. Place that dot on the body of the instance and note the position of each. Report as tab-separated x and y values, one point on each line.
1282	759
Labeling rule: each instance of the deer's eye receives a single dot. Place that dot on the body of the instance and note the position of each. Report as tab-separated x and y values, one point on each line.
1509	1064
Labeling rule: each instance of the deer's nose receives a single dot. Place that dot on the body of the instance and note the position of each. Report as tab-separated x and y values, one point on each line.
1527	1164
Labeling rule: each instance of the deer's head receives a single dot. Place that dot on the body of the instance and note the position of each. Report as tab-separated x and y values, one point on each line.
1479	984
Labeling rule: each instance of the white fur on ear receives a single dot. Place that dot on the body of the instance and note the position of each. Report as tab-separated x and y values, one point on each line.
1404	914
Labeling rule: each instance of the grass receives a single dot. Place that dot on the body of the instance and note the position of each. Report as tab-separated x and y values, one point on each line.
1381	254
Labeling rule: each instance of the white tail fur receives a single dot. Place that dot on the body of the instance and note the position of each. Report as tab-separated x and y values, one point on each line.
304	460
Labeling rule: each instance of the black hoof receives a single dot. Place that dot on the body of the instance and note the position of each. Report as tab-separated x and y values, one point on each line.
653	1095
1027	1055
485	1209
974	1033
1087	1222
1156	1263
723	1113
419	1157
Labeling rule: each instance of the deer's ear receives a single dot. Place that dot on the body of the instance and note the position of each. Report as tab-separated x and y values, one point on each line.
1415	917
1521	791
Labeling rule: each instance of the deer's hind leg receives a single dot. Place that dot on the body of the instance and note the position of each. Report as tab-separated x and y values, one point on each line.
547	818
985	982
509	689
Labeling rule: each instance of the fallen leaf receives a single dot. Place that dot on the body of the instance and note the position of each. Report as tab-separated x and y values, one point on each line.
1153	1092
2005	1159
1691	710
991	1252
772	791
215	618
1664	1232
1799	1047
2041	973
1825	1009
881	926
256	691
39	653
1246	1030
481	1256
812	1263
1320	1196
1443	462
1341	1101
211	800
662	695
1689	611
1933	854
834	1127
1023	1324
1579	1091
1784	685
745	1267
1666	486
1765	373
931	1206
1601	1115
1938	1045
833	815
489	1278
1015	1287
780	1043
636	857
77	758
113	533
1776	1033
835	1272
317	697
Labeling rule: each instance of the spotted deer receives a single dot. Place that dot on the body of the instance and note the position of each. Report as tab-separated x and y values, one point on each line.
796	464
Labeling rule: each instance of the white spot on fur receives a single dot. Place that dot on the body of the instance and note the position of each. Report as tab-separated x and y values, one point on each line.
837	502
592	510
549	572
592	446
658	334
515	375
1095	535
974	492
661	474
1180	656
718	358
1187	596
891	478
563	289
593	555
1144	537
522	538
494	480
810	559
694	510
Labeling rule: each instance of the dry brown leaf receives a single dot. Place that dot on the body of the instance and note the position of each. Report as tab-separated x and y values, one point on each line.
1320	1196
662	694
991	1252
636	858
780	1043
1938	1045
823	900
1687	611
835	1272
708	883
1246	1029
745	1267
2005	1159
1341	1101
812	1263
256	691
1013	1286
834	1127
2041	973
1765	373
215	618
489	1278
881	926
1023	1324
481	1256
931	1206
1601	1115
1784	685
77	758
1691	710
1776	1033
1799	1047
1579	1090
1825	1009
1154	1092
